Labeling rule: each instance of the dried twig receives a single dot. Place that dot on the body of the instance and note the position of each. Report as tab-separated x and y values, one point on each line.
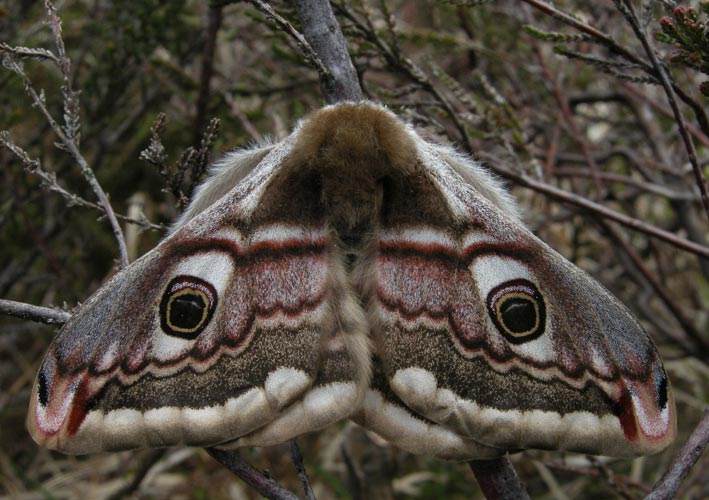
258	481
33	313
68	135
310	55
497	479
627	10
49	180
297	458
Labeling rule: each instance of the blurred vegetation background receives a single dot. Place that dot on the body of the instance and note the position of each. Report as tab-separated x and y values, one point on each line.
535	92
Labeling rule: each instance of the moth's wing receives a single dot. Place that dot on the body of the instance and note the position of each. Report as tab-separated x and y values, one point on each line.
211	335
384	413
486	330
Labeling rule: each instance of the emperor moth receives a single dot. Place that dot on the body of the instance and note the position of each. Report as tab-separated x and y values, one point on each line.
353	270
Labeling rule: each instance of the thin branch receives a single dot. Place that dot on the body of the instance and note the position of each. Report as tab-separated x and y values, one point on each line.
700	347
258	481
142	469
596	208
214	22
49	180
297	458
620	50
310	55
339	83
497	479
627	10
67	142
669	483
33	313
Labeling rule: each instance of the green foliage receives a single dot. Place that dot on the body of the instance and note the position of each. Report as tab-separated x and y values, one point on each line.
688	31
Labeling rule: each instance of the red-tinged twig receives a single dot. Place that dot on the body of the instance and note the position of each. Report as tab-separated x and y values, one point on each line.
669	483
498	479
606	40
257	480
634	91
33	313
627	10
563	104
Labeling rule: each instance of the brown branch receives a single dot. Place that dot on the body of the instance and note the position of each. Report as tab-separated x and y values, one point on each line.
66	134
214	21
310	54
596	208
627	10
297	458
321	29
258	481
669	483
498	479
33	313
606	40
700	347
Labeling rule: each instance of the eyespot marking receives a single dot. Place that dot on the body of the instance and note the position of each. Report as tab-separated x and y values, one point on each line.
187	306
42	389
517	310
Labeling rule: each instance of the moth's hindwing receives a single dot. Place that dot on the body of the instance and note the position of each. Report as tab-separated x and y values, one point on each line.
231	327
484	329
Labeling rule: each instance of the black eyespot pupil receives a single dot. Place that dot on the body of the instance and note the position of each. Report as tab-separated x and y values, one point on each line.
662	392
42	390
187	311
519	315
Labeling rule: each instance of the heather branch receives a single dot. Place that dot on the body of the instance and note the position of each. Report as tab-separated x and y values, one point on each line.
310	55
68	143
593	207
33	313
297	458
627	10
497	479
49	180
339	81
609	42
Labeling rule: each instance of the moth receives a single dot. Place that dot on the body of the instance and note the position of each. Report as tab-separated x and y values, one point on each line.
353	270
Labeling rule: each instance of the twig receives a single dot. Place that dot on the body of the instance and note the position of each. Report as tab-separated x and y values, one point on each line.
297	458
669	483
214	22
627	10
596	208
620	50
264	485
67	137
49	179
146	463
665	296
310	55
339	82
33	313
497	479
